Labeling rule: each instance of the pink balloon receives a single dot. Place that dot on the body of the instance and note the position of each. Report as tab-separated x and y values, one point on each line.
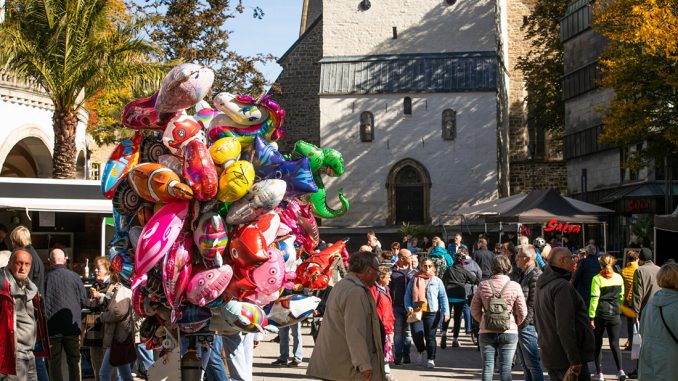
300	220
208	285
157	237
199	171
176	273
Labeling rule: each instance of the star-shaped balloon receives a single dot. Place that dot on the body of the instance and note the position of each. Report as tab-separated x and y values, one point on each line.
271	164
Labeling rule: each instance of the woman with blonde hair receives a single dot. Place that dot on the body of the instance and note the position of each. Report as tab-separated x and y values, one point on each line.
21	239
607	295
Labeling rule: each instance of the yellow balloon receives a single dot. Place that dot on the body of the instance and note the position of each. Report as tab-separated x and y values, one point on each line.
235	181
225	149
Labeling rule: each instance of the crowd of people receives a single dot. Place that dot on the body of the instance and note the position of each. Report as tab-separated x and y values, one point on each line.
529	302
541	306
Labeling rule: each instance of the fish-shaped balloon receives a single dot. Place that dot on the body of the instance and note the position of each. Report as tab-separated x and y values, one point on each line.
211	235
157	237
244	317
199	171
208	285
247	247
184	86
291	309
176	272
299	218
122	160
261	199
262	284
157	183
315	272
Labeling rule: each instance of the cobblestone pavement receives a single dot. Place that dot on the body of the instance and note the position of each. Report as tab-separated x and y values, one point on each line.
462	363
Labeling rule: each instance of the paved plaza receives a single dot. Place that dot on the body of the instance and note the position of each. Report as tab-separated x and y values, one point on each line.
462	363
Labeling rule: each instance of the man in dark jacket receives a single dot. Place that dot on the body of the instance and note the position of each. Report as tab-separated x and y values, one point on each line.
565	337
64	299
483	258
528	348
400	278
586	270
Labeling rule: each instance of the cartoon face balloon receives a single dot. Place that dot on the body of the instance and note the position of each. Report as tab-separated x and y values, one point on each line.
211	235
208	285
184	86
271	275
248	247
235	181
225	151
239	113
261	199
179	131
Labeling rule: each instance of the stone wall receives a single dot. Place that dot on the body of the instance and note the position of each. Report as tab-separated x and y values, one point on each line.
527	176
299	83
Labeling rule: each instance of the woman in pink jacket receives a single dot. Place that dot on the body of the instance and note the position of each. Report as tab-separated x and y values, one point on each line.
499	306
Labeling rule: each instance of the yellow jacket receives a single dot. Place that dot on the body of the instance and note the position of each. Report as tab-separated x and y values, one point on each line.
627	275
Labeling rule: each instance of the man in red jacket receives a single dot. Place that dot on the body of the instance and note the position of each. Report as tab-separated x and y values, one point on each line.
22	323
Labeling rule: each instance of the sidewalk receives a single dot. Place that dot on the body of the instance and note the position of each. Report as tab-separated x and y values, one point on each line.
452	364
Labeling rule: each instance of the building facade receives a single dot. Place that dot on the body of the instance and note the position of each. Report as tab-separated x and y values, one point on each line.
422	99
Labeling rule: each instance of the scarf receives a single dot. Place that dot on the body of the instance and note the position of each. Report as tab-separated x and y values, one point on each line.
606	274
419	287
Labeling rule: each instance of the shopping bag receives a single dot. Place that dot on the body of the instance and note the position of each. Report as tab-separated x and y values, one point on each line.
637	343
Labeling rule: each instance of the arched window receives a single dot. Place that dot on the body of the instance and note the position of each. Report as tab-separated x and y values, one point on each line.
449	124
366	126
407	106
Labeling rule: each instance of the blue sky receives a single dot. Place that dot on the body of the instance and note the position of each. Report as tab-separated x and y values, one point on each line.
275	33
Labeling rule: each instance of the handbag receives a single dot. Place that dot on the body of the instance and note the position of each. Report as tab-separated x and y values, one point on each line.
414	316
637	343
123	352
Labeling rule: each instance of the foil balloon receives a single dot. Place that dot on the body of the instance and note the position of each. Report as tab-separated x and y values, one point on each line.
157	238
235	181
184	86
330	162
172	162
144	213
262	284
138	302
156	183
208	285
291	309
261	199
240	114
244	317
176	272
124	157
268	225
141	114
199	171
266	158
270	164
246	117
211	235
179	131
205	115
315	272
225	151
300	220
247	247
286	246
194	318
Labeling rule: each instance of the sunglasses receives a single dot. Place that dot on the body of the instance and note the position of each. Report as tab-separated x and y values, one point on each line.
427	266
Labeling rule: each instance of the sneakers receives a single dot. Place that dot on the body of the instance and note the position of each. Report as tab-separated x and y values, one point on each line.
621	376
455	343
279	362
598	377
443	342
294	363
431	364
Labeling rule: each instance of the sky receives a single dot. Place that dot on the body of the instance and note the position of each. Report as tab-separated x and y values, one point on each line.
275	33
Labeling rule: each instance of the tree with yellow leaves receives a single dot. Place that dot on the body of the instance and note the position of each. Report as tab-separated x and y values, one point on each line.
641	64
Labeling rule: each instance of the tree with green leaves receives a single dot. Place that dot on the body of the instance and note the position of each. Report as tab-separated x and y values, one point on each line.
73	49
640	63
542	67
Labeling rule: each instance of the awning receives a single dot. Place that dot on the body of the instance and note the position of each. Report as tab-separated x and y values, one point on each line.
637	190
51	195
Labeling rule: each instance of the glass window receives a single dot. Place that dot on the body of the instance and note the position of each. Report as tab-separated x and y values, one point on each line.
366	126
449	124
407	106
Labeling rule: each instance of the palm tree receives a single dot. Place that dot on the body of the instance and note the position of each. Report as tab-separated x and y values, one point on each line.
73	49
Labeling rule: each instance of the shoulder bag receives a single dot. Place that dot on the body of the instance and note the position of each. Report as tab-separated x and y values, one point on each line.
124	352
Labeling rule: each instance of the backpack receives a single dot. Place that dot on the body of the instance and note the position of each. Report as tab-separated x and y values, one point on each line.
497	314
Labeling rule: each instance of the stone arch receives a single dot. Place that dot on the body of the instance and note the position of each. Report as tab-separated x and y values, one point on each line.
33	149
409	193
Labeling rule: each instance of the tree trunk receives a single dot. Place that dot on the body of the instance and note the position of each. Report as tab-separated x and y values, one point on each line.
63	162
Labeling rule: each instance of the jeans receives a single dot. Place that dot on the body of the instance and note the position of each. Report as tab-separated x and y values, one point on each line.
284	334
71	346
559	374
401	334
467	317
629	329
528	352
458	308
426	330
41	369
505	345
612	326
239	348
25	369
144	357
107	371
215	370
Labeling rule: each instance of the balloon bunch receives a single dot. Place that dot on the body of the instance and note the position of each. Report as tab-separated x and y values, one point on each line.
210	217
